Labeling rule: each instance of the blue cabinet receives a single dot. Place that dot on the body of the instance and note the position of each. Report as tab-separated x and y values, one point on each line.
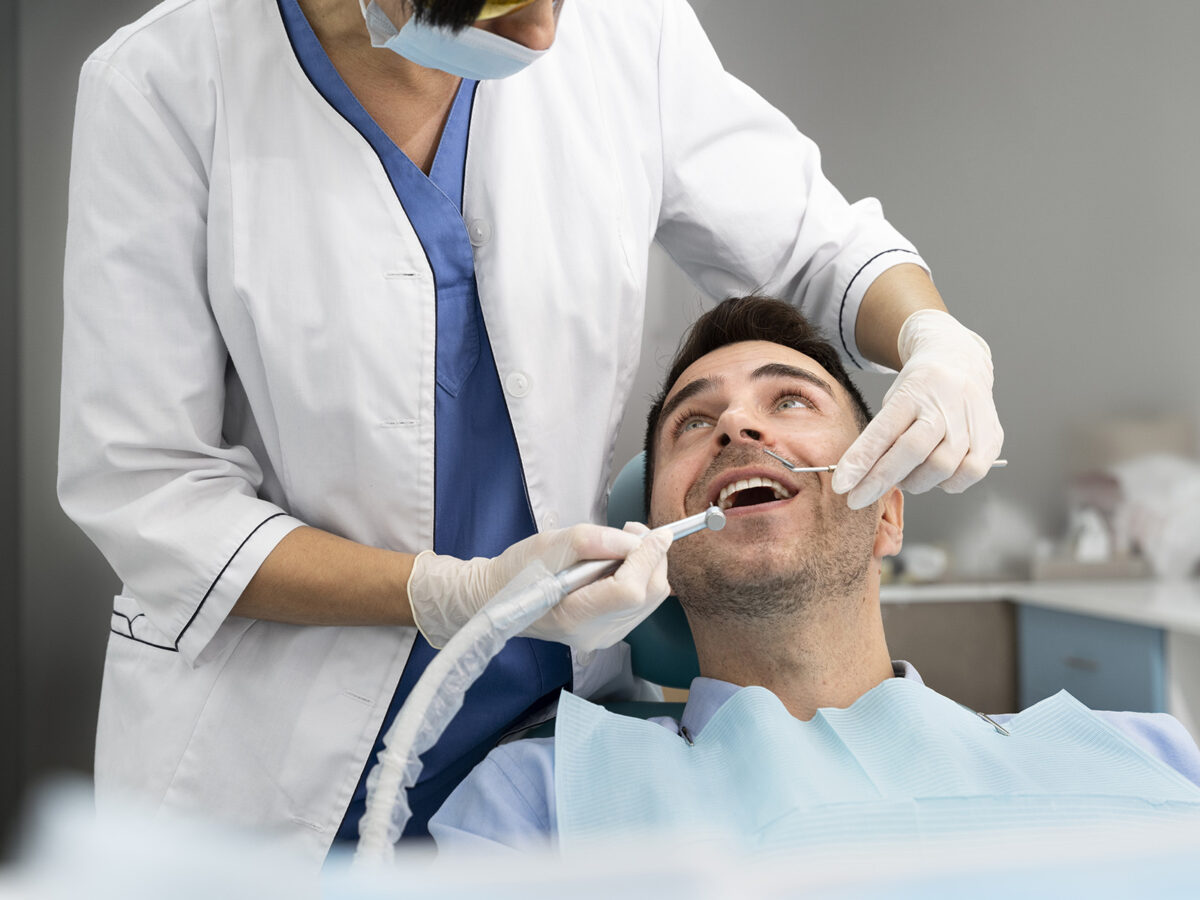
1102	663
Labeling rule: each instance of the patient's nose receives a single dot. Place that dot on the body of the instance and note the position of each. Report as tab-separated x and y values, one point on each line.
739	423
748	434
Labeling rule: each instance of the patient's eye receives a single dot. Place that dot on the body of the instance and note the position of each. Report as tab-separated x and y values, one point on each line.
690	421
793	400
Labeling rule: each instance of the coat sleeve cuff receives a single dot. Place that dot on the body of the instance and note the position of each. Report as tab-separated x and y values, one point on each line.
211	628
852	297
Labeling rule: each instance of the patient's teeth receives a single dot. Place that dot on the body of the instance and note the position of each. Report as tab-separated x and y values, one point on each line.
724	500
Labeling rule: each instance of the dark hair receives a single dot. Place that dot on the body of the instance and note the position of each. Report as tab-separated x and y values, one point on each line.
741	319
452	14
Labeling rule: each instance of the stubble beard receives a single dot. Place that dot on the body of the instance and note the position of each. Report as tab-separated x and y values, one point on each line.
779	579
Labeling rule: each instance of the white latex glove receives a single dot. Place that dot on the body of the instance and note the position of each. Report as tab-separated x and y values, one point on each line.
445	592
938	424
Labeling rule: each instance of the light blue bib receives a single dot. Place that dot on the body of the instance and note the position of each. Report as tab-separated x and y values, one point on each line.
903	763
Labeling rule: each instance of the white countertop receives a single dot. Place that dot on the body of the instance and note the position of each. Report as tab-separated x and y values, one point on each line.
1171	605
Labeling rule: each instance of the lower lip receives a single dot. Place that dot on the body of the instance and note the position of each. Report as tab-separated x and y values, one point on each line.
737	512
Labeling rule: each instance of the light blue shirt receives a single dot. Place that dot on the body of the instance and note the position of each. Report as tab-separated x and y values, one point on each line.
509	799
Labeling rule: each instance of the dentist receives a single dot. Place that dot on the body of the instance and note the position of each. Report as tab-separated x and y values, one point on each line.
353	305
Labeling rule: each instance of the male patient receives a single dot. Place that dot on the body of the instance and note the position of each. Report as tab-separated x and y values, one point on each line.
801	728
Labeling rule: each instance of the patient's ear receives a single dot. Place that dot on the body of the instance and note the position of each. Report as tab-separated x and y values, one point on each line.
889	533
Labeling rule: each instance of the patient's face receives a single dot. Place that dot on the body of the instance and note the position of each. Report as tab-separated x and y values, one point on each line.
780	525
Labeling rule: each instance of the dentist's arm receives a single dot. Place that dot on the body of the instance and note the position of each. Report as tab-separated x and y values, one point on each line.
892	297
938	424
313	577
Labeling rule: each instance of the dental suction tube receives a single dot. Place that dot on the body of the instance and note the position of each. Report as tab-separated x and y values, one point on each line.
438	694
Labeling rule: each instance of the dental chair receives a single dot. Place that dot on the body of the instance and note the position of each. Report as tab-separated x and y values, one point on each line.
661	648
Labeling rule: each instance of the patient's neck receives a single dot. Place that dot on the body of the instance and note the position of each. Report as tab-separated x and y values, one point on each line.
828	656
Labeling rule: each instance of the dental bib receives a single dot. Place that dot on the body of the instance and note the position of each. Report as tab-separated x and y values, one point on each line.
902	764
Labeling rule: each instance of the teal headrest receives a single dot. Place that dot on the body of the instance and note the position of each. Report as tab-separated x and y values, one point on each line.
663	650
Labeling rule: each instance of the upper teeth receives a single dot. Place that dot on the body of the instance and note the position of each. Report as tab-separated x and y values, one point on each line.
724	501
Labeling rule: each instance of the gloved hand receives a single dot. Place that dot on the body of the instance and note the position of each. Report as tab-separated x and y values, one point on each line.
938	424
445	592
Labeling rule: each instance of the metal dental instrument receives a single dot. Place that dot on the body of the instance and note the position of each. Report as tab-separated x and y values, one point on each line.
998	464
583	573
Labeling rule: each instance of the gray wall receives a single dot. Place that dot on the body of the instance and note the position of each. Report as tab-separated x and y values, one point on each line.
1041	154
10	760
65	585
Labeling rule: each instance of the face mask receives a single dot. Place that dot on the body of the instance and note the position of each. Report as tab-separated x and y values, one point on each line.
471	53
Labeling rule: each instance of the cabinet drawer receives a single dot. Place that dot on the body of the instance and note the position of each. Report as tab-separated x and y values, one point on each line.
1102	663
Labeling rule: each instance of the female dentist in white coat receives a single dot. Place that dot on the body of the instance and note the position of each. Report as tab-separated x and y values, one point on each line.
342	287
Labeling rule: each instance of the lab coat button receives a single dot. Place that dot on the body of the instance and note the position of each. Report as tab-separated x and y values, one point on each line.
517	384
479	231
552	520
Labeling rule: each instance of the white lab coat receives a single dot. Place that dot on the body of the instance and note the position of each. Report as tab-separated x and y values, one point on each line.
249	345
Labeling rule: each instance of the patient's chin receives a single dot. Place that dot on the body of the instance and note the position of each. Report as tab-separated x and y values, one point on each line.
745	582
715	593
751	572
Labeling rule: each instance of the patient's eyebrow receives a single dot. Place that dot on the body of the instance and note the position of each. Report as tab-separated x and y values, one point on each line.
686	393
782	370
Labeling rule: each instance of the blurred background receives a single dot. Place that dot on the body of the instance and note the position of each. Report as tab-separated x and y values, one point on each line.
1040	153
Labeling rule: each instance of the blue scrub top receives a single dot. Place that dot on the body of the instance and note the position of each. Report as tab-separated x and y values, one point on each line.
481	504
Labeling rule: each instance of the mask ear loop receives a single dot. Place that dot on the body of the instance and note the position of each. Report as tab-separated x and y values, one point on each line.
380	27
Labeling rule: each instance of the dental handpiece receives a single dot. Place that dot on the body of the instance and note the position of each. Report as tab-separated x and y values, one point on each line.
583	573
998	464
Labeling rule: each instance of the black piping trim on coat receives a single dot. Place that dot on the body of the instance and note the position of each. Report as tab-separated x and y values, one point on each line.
127	619
208	593
845	296
130	637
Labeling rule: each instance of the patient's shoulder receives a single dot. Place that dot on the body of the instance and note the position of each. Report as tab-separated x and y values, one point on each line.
506	801
528	765
1161	735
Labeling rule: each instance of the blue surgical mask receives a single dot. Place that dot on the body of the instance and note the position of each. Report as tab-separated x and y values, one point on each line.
470	53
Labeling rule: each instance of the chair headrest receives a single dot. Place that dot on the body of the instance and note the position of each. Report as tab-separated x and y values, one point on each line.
663	651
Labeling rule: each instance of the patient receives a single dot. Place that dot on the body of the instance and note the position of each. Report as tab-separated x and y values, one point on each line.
801	727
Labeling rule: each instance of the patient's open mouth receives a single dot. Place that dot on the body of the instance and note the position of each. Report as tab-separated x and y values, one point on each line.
751	492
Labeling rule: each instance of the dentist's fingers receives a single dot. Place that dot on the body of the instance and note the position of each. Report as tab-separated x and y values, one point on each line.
976	464
658	585
643	576
938	423
564	547
972	443
602	613
941	464
883	456
876	439
444	592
